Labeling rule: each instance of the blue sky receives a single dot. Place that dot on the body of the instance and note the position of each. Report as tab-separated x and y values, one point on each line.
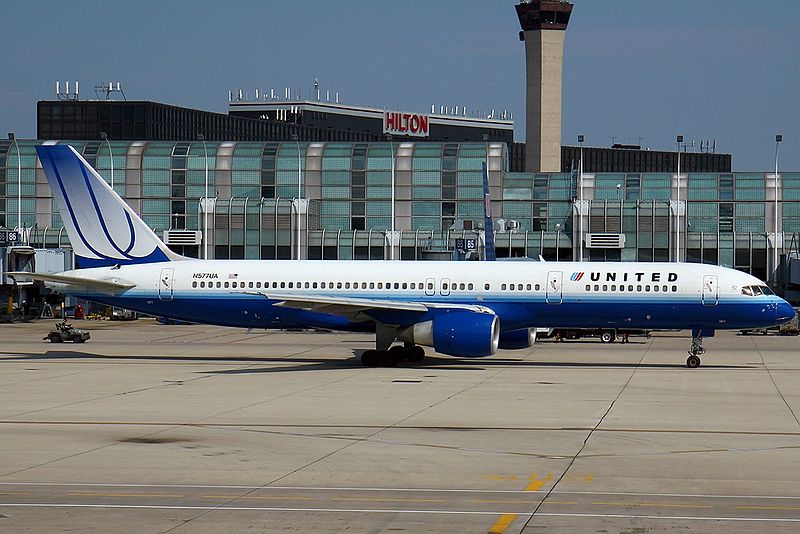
634	71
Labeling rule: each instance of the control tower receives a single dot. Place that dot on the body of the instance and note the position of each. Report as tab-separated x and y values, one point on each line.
543	23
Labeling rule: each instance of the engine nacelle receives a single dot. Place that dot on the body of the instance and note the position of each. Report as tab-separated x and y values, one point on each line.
518	339
461	333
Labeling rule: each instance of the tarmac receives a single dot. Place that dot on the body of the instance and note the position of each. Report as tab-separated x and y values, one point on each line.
154	428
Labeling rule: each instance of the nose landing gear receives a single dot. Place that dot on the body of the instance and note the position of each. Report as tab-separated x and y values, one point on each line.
693	361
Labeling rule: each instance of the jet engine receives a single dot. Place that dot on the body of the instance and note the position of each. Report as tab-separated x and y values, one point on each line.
518	339
463	333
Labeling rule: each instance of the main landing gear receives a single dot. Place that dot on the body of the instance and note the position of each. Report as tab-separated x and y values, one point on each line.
693	361
393	356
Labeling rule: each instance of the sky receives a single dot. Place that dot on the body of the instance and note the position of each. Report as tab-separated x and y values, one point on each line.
635	71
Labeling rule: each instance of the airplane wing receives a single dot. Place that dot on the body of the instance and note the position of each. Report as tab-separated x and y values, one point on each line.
353	306
112	286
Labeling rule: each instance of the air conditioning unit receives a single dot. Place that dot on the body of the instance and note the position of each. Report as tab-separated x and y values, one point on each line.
605	240
183	237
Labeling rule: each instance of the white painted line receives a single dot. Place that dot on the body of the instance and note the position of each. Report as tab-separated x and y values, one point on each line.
390	511
420	490
676	518
259	508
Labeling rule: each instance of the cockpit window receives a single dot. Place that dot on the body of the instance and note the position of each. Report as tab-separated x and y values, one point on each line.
756	291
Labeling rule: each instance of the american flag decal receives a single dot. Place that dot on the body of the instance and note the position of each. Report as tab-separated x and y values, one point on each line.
233	276
576	277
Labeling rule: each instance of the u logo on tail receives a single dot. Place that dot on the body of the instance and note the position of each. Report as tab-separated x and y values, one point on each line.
102	228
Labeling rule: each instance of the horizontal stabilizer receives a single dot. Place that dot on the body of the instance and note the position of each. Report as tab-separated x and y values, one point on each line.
110	286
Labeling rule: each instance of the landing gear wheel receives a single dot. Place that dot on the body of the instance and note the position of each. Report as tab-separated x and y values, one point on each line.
693	361
415	354
370	358
607	337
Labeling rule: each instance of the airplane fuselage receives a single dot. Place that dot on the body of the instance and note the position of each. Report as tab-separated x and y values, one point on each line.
243	293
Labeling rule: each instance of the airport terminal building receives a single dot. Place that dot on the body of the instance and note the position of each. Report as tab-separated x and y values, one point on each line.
347	193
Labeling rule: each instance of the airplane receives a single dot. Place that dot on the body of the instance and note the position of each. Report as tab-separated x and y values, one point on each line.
461	309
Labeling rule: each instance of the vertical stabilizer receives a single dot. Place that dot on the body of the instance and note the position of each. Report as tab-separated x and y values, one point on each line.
102	228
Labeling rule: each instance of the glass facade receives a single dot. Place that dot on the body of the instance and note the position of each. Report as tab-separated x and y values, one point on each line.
725	218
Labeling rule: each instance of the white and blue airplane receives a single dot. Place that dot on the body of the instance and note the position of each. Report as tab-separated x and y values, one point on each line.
463	309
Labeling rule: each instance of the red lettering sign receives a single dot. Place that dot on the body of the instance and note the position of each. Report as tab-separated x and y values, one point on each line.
411	124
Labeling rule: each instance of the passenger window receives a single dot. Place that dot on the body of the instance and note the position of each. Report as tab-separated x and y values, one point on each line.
605	287
622	287
372	285
307	285
588	287
638	288
462	286
339	285
430	286
519	286
613	287
250	285
503	287
219	285
655	288
444	286
674	289
314	285
363	285
258	285
346	285
405	285
596	287
528	287
538	287
486	287
194	284
380	285
397	285
413	285
646	288
226	284
291	285
664	289
470	286
630	288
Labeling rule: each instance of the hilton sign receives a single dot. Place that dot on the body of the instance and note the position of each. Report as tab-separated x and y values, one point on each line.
395	122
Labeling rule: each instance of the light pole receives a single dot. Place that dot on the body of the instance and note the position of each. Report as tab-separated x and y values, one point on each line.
391	238
580	201
201	137
778	139
104	137
679	140
13	138
296	139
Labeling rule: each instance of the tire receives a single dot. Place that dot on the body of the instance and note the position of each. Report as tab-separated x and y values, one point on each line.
77	339
607	337
693	362
55	338
370	358
416	354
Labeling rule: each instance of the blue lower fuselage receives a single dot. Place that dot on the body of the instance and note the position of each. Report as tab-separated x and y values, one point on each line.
664	312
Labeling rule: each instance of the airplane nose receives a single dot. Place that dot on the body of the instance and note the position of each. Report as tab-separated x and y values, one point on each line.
784	312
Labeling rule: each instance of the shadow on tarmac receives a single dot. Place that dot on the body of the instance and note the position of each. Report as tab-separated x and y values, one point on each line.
316	364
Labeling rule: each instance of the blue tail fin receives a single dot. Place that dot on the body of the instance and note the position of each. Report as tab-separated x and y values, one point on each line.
102	228
488	225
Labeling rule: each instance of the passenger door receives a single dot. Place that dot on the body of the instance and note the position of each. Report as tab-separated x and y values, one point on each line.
710	293
165	284
553	293
444	288
430	287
